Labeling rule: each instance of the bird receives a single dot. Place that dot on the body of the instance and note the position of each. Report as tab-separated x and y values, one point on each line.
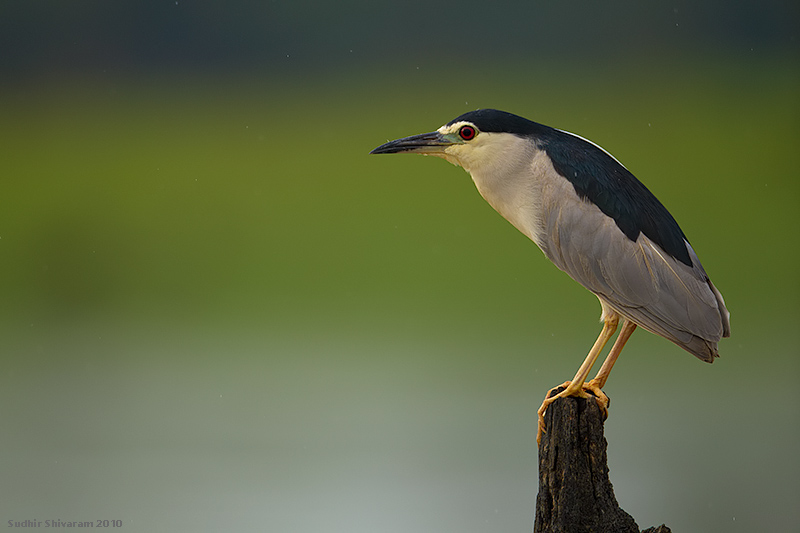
595	221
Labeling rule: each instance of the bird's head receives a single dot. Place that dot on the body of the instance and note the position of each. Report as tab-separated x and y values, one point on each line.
476	140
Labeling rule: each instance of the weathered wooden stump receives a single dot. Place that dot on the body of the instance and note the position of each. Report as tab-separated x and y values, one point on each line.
575	494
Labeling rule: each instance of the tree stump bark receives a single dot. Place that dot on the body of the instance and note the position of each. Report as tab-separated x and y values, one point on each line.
575	493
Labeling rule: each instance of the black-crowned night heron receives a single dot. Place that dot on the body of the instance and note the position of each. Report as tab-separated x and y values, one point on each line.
596	222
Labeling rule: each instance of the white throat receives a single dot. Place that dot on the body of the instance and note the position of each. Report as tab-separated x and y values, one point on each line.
501	167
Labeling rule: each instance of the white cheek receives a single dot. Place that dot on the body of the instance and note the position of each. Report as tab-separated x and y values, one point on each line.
490	153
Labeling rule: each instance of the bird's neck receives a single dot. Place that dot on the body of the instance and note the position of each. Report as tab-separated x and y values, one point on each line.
514	188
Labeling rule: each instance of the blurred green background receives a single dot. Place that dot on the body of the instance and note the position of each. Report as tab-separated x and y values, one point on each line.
220	314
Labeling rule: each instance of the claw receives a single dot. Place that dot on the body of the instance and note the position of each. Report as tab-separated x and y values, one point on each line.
603	401
579	392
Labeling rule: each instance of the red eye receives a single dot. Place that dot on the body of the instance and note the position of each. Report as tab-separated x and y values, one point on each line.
467	133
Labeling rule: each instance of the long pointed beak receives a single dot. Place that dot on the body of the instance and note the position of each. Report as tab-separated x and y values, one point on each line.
425	143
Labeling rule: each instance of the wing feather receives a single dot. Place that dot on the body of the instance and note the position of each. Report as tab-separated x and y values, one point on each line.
637	279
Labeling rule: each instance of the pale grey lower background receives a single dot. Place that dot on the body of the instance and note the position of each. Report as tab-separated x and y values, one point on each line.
175	430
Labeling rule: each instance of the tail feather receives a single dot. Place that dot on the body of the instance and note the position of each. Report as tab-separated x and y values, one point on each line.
701	348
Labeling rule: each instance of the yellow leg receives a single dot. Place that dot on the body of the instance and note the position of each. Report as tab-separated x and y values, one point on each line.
575	387
600	379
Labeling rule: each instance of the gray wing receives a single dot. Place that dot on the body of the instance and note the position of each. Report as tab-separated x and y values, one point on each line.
637	279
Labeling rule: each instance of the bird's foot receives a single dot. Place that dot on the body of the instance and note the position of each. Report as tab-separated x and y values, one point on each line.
579	391
603	401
